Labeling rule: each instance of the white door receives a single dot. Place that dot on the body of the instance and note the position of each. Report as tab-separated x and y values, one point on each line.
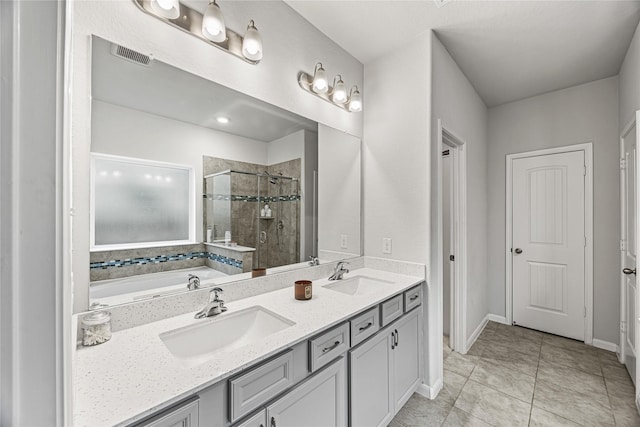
628	248
548	243
447	247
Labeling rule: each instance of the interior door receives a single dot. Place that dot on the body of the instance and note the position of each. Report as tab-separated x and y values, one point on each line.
628	167
548	243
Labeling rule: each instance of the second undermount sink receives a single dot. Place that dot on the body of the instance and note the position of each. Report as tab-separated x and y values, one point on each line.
197	343
357	285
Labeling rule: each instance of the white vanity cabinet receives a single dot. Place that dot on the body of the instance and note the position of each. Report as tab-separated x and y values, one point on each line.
384	372
182	415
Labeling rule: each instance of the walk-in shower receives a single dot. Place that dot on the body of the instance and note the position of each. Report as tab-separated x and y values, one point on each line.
237	201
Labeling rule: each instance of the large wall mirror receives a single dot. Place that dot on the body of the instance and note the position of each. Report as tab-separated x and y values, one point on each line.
193	183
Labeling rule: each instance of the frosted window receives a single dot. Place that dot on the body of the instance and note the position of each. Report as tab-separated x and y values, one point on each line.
137	202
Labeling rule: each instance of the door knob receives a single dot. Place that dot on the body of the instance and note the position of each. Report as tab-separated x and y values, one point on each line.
629	271
518	251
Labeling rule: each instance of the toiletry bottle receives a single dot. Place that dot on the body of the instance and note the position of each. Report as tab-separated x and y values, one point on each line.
209	233
227	238
262	212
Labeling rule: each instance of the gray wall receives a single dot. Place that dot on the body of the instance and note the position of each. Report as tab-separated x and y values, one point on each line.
462	112
31	226
629	87
585	113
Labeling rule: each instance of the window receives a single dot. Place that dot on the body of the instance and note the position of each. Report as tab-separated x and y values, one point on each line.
140	203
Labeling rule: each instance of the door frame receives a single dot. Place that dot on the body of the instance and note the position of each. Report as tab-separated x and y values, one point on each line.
587	148
623	301
458	323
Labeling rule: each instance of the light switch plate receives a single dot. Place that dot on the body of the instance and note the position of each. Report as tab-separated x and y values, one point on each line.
344	241
386	245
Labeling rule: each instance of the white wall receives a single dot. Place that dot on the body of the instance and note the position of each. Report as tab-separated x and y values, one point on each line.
339	193
274	80
585	113
462	112
629	82
397	170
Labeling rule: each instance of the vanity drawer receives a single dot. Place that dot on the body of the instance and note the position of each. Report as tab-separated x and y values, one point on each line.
254	388
390	310
184	414
365	325
412	298
326	347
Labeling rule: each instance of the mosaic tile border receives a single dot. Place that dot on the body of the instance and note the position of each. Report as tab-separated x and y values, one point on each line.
261	199
166	258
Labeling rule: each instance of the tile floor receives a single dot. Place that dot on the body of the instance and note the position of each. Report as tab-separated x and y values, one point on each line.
514	376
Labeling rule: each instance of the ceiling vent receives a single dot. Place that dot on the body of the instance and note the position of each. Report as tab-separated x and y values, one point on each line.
131	55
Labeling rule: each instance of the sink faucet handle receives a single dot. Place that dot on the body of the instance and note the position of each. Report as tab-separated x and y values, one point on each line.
216	293
313	260
340	265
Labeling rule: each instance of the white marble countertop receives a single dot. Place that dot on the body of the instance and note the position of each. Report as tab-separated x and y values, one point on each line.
134	375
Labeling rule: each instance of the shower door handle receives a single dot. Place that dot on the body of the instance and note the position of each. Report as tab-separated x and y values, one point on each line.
263	237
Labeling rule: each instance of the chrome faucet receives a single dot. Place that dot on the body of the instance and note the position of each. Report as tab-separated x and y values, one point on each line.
313	260
339	271
214	307
194	282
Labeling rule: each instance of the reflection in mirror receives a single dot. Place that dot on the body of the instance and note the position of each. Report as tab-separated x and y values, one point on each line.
255	174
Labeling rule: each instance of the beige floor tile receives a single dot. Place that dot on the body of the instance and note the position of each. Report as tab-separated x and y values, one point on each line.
509	381
573	379
621	388
519	332
570	344
478	348
608	358
512	359
460	418
577	407
420	411
453	382
516	343
491	326
493	407
615	372
626	416
570	358
460	364
542	418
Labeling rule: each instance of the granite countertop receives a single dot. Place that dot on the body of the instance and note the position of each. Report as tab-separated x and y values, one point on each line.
134	375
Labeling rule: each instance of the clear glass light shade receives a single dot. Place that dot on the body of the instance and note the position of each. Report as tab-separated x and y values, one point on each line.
213	26
320	84
339	93
252	43
355	103
169	9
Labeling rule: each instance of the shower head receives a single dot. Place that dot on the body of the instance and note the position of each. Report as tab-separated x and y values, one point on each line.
272	179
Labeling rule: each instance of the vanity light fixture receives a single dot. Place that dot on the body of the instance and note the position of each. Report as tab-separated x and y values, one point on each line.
252	43
208	26
213	26
169	9
336	95
355	100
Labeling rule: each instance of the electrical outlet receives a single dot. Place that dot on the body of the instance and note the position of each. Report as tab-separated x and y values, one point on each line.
344	241
386	245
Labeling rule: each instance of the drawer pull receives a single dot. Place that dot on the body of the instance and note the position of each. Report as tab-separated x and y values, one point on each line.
273	422
413	298
397	337
362	328
335	344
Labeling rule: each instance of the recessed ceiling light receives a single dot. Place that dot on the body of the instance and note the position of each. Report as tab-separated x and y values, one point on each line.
222	120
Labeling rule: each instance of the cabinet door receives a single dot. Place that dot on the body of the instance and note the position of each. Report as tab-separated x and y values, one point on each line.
370	382
406	358
320	401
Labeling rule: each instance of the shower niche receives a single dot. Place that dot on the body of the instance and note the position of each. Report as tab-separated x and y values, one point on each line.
255	209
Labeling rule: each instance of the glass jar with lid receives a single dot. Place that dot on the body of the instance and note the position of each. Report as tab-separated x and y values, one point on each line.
96	328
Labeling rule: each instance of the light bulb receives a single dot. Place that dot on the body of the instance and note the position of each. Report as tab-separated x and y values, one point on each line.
252	43
355	103
169	9
320	84
339	91
213	26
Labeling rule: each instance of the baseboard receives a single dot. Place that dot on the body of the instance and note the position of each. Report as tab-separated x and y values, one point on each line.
605	345
430	392
497	319
474	336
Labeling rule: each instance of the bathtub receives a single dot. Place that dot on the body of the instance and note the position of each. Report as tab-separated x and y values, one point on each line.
129	289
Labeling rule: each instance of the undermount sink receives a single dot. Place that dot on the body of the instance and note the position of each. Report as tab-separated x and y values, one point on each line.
196	343
357	285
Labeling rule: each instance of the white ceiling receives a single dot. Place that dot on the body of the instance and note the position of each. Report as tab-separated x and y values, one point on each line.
169	92
508	50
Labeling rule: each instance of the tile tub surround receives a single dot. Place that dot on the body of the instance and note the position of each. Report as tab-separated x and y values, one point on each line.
514	376
137	375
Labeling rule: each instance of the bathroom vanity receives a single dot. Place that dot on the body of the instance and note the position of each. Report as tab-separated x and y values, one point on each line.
349	356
